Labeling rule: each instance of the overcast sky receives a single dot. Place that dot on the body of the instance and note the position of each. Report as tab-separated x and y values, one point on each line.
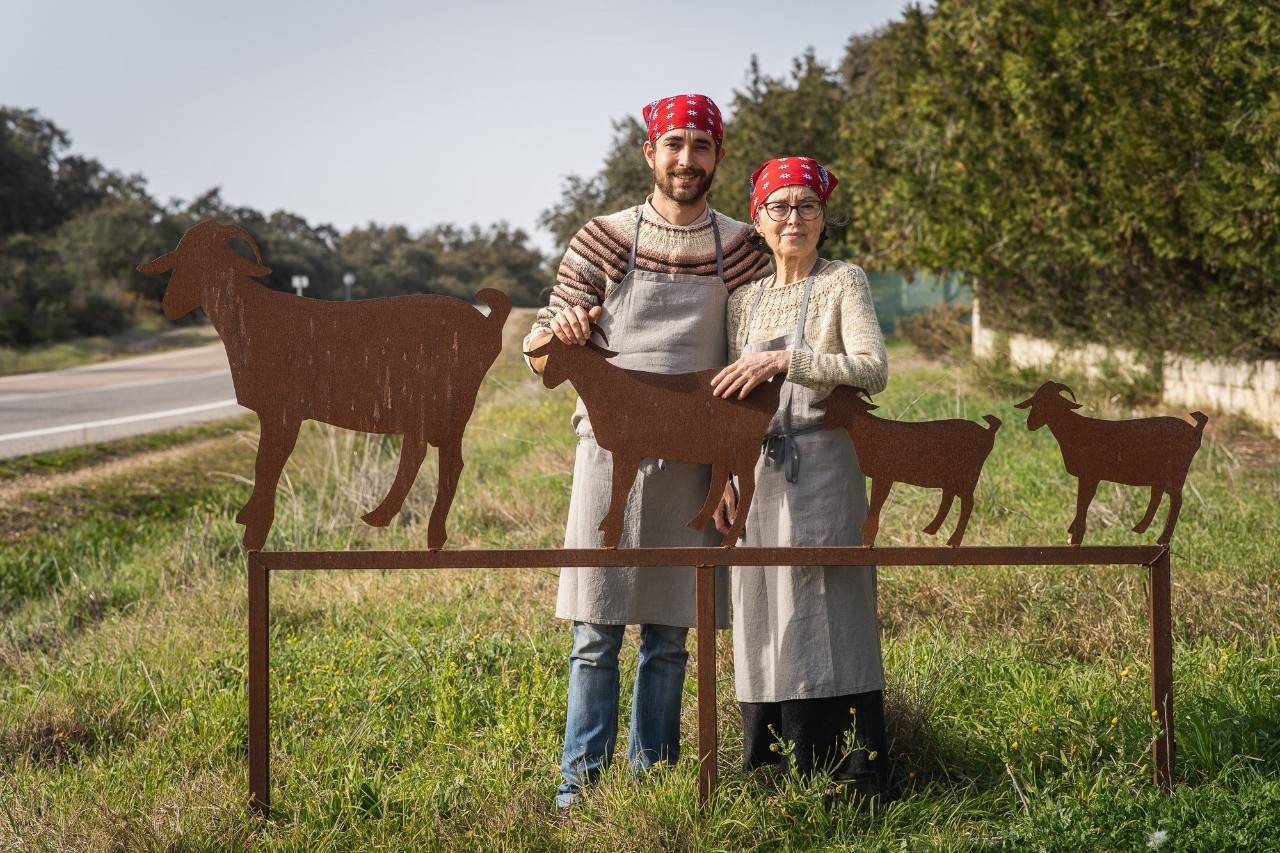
386	111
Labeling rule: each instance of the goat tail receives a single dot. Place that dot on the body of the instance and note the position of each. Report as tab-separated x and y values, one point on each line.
1201	419
993	423
499	305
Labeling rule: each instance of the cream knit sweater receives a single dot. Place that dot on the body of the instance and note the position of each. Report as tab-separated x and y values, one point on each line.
840	327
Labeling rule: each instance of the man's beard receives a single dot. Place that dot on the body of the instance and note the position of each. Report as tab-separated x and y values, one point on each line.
666	184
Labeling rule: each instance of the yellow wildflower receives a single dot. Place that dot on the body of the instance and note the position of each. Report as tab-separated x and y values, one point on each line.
1115	720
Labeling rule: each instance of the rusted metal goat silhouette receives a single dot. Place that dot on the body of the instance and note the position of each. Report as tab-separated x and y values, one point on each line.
947	455
1154	452
407	365
676	417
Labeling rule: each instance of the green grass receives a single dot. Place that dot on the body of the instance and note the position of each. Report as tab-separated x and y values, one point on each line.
419	710
151	334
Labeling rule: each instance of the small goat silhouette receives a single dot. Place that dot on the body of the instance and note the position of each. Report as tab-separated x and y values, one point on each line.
676	417
946	455
1154	452
407	365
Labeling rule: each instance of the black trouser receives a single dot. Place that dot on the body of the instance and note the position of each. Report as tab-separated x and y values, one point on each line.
817	728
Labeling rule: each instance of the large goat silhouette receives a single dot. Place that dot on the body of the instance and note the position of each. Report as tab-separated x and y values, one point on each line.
406	365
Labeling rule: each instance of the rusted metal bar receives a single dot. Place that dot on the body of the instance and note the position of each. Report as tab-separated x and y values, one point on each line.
1159	602
260	564
259	688
708	742
1048	555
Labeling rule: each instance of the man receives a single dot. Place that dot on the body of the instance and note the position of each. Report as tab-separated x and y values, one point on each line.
656	278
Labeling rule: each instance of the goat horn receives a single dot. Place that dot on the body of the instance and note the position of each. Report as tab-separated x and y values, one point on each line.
238	232
1058	386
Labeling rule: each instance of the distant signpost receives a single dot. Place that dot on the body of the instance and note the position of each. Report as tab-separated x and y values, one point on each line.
300	283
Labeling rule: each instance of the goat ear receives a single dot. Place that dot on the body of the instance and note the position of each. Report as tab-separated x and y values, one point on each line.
1025	404
1071	405
162	264
607	353
538	351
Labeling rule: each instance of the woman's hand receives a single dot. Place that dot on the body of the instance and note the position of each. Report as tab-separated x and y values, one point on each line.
749	371
727	511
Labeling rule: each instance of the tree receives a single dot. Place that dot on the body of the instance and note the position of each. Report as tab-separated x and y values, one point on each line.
623	180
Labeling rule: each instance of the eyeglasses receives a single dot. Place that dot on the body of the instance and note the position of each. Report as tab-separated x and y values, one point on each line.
780	211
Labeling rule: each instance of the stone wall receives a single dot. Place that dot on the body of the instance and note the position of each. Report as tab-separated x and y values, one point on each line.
1250	389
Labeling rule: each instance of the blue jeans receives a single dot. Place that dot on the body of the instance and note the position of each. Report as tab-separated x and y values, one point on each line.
591	726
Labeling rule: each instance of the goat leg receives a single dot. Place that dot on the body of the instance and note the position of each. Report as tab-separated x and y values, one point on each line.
276	440
746	490
450	458
715	492
879	494
1084	497
943	508
966	508
412	452
1152	506
624	477
1175	507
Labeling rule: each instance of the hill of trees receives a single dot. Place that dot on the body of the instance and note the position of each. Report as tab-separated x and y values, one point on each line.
72	231
1104	170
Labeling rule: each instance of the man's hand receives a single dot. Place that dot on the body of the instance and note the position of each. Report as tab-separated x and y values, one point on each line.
748	371
727	511
571	325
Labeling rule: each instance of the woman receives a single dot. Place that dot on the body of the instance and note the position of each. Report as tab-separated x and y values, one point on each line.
806	644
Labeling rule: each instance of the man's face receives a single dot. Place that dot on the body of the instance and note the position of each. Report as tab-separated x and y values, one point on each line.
683	163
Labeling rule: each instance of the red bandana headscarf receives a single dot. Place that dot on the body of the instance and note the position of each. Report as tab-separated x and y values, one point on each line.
790	172
680	112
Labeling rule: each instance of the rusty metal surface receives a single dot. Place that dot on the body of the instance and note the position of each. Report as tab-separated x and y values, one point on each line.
1160	618
946	455
403	365
671	416
992	555
708	737
261	564
259	684
1151	452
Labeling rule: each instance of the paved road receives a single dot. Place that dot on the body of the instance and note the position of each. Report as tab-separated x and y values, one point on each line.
100	402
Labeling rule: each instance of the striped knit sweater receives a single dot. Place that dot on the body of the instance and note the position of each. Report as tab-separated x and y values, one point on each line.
596	261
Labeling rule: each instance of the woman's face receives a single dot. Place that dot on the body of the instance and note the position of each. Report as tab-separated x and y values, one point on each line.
794	236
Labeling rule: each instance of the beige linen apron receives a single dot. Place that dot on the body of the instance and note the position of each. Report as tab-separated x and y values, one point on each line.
804	632
664	323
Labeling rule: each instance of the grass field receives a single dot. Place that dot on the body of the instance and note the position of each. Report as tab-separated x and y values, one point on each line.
151	334
425	710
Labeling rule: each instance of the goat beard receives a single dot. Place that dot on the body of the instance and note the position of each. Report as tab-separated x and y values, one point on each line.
666	184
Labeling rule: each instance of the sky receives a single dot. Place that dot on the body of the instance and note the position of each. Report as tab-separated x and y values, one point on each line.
416	113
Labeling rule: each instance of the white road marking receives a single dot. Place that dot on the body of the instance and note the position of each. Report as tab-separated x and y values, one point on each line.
128	419
137	383
115	363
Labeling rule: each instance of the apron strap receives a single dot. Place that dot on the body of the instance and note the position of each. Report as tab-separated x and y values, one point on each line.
715	232
786	451
635	239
